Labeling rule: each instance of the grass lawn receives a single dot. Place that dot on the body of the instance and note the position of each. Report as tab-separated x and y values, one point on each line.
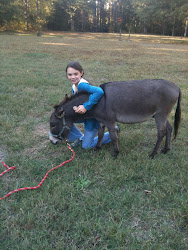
94	202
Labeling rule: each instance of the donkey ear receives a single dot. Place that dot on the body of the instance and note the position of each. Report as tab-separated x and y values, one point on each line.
60	114
56	106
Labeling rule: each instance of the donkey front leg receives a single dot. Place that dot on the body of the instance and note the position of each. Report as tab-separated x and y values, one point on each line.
100	136
114	138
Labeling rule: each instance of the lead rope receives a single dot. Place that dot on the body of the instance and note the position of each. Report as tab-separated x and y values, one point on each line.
29	188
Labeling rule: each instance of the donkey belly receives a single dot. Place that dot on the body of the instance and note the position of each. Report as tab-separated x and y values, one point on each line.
133	118
125	110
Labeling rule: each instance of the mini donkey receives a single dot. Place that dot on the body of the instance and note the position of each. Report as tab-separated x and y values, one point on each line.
124	102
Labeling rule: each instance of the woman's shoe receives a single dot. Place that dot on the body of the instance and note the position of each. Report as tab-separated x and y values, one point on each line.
117	129
76	143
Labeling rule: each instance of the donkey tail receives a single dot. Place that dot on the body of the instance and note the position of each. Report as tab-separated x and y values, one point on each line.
177	120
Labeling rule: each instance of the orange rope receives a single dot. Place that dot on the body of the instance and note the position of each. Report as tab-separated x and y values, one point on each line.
29	188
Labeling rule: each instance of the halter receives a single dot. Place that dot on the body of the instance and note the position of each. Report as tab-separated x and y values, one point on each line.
62	130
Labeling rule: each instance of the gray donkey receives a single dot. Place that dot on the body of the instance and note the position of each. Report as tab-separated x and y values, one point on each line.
124	102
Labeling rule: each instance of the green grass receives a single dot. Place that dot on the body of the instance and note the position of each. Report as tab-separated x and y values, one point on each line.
94	202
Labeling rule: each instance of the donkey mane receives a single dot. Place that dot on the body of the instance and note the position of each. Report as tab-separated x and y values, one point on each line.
69	98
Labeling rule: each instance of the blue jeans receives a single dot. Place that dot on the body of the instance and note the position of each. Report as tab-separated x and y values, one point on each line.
88	139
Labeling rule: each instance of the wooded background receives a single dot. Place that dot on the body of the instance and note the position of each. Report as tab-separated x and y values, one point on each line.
163	17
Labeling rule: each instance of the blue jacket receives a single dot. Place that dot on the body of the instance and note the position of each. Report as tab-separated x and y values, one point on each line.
95	94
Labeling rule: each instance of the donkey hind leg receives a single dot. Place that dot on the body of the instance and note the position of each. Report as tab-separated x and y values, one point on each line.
100	136
161	131
114	138
168	138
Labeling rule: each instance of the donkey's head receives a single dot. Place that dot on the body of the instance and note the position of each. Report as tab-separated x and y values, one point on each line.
59	126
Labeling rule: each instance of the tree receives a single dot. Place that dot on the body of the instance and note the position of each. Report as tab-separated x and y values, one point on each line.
167	17
162	16
59	18
9	11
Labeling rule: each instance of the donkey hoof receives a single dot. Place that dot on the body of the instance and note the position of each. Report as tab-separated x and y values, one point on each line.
165	150
97	148
115	154
151	156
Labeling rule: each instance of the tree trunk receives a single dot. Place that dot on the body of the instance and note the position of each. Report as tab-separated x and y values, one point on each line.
94	28
145	28
72	23
115	16
173	27
186	23
6	25
110	17
82	13
37	5
26	13
163	27
129	34
100	15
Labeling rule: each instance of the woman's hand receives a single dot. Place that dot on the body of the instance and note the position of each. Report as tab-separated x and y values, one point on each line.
80	109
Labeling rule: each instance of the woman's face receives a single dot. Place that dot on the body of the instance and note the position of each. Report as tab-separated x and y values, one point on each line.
74	75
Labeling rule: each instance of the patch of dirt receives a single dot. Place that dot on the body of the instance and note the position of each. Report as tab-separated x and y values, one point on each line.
34	151
41	131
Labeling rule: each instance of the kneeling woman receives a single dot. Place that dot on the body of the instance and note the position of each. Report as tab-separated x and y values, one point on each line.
75	74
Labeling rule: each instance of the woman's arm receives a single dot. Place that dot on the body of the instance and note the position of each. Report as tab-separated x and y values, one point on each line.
95	94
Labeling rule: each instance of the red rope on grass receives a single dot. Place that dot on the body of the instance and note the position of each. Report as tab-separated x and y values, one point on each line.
29	188
8	169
